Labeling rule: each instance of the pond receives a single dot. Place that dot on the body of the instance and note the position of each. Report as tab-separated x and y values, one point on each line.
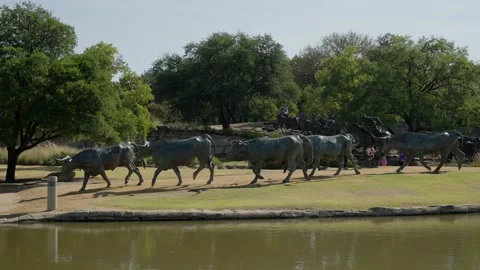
433	242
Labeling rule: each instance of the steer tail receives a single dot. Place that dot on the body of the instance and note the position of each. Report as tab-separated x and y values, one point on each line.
459	136
352	138
213	143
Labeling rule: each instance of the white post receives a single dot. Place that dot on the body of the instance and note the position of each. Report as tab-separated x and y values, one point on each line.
52	193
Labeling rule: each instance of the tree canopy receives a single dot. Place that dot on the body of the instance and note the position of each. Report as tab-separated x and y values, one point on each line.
226	76
429	83
48	92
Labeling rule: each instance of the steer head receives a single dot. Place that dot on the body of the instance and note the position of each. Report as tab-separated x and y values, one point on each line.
237	150
67	173
382	143
141	152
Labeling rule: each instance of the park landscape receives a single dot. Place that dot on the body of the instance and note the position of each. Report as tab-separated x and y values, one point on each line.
357	152
58	99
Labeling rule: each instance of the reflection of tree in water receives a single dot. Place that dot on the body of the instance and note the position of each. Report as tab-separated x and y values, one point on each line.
376	243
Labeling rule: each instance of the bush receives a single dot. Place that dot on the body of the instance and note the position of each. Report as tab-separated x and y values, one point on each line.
163	112
44	154
476	160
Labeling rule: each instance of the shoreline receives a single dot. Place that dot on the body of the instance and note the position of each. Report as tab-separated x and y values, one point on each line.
197	215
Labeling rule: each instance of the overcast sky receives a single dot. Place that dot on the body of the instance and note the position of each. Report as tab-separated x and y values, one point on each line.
144	30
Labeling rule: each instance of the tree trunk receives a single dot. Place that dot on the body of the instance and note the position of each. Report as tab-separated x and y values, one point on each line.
12	163
224	118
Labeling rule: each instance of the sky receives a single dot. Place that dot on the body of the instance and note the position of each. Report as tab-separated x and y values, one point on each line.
145	30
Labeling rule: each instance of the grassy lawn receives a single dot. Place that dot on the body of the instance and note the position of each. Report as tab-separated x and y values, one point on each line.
346	192
230	190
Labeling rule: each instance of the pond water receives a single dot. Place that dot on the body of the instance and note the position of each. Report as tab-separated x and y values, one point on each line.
434	242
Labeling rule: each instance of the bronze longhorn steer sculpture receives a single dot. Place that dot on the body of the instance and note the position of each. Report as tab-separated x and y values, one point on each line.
418	144
169	154
339	146
259	150
95	161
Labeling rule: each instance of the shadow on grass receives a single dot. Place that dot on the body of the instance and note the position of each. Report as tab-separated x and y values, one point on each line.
34	168
265	183
406	173
147	190
21	185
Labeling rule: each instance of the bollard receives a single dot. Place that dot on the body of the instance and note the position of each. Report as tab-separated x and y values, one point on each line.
52	193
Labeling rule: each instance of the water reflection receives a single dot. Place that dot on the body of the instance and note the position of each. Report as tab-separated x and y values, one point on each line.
443	242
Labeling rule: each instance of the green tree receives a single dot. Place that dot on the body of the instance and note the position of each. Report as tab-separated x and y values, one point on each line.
48	92
341	90
223	75
312	58
429	83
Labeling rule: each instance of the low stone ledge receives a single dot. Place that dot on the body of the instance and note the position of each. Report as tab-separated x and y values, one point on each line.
192	214
410	212
169	215
227	214
69	216
383	211
291	214
325	213
213	215
246	214
473	208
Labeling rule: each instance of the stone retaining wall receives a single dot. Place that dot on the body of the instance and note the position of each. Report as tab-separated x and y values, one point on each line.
194	214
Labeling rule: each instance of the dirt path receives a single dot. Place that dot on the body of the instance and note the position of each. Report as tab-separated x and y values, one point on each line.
33	198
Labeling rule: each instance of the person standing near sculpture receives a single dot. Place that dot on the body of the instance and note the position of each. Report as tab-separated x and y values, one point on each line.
401	159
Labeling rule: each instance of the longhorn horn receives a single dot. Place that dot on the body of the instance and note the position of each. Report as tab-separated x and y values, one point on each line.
134	144
64	159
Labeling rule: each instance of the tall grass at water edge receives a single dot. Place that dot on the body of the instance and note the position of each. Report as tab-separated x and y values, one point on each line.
44	154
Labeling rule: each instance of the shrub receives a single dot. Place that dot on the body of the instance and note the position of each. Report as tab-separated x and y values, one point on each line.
476	160
44	154
163	112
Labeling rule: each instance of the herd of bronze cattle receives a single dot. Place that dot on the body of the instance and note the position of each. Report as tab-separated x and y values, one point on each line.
295	150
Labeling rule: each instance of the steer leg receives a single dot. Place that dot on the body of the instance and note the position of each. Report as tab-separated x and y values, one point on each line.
259	176
200	167
104	176
459	155
211	167
350	157
155	175
422	160
130	171
86	176
316	164
256	171
137	172
443	160
292	165
302	164
340	164
177	172
410	158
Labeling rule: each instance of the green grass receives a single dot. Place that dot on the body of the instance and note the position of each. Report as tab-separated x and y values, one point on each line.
348	192
43	154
